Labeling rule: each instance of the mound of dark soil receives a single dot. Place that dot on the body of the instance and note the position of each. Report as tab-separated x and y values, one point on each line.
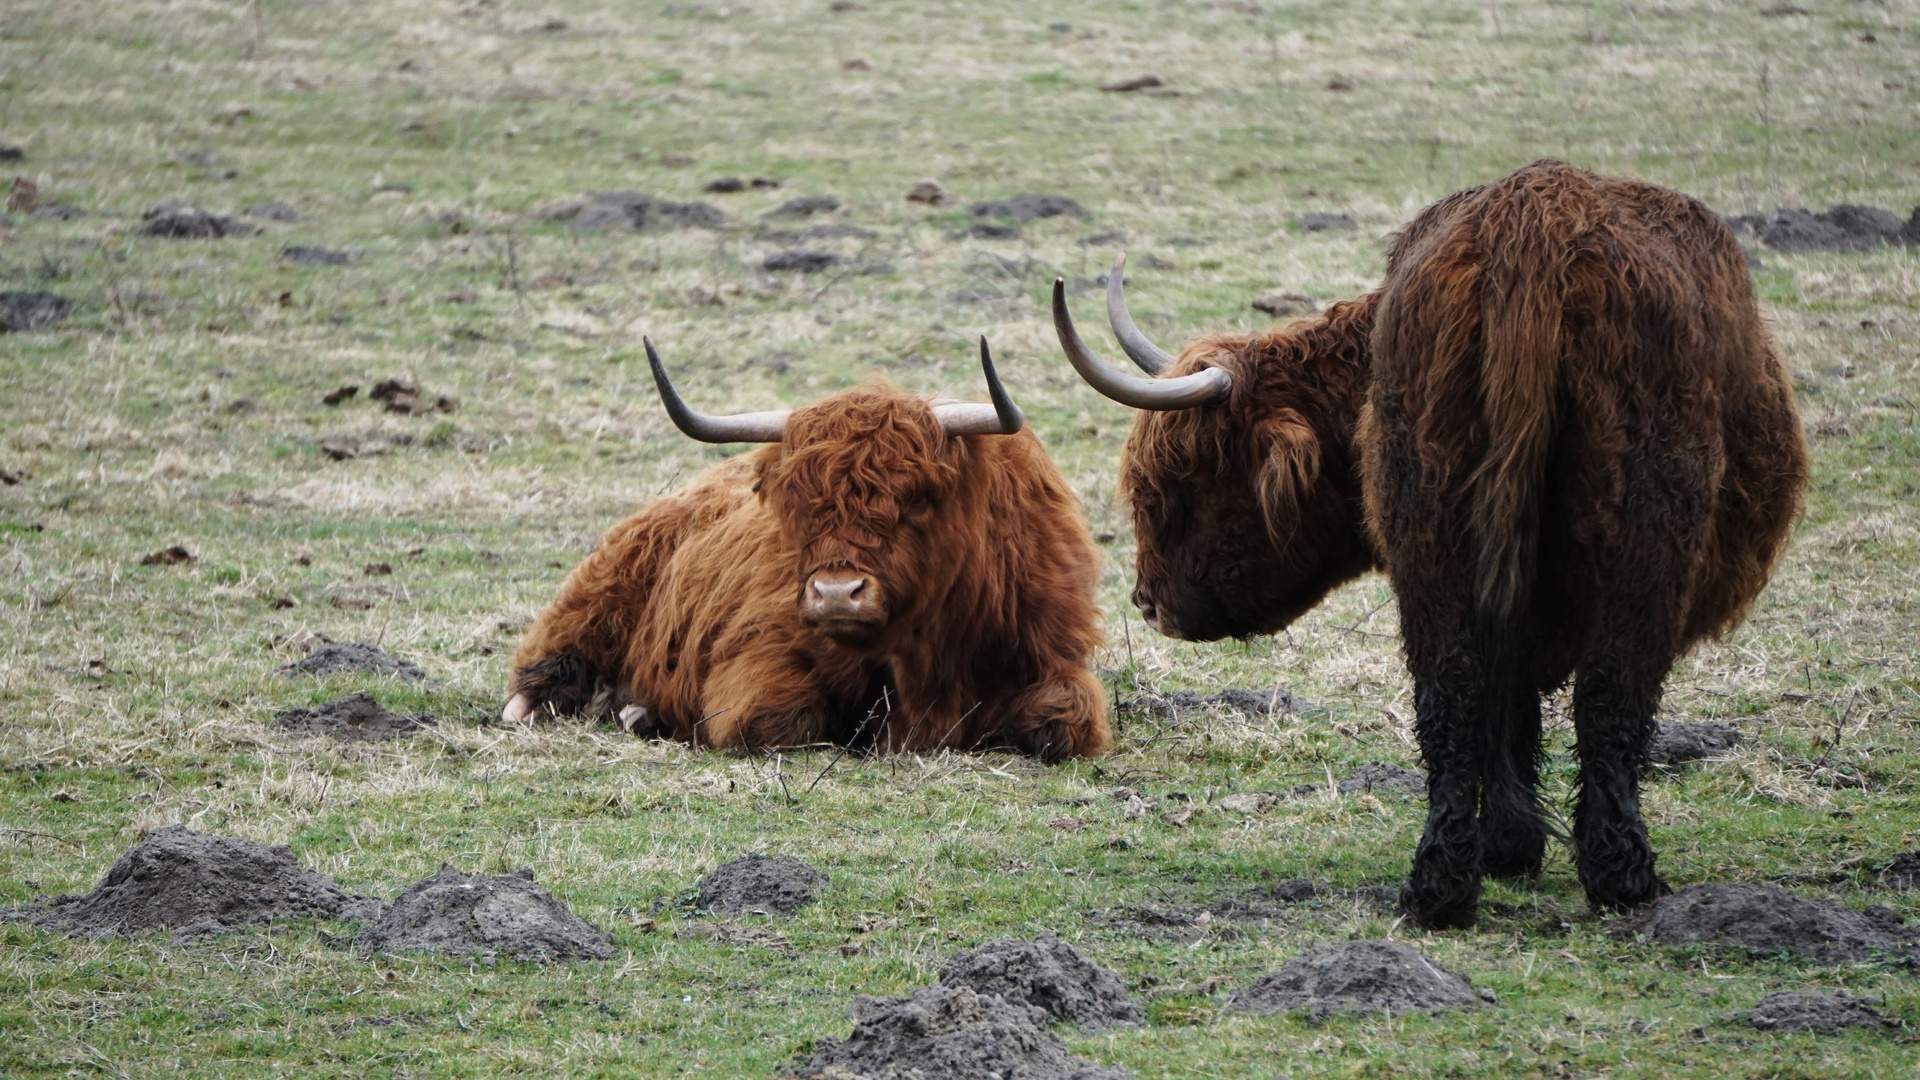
340	657
300	255
761	884
1843	228
23	311
1251	702
1677	744
177	555
58	211
837	231
635	210
1029	207
1903	872
952	1033
184	222
274	210
806	206
1047	973
1766	919
1321	222
987	230
194	884
804	260
1359	977
1795	1010
482	915
1380	776
354	718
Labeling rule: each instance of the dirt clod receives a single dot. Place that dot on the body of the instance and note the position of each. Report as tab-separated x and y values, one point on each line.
354	718
1050	974
1677	744
1380	776
342	657
1138	82
172	556
1845	227
24	311
301	255
1029	207
339	394
806	206
1767	919
1903	872
1359	977
950	1032
184	222
634	210
1826	1014
804	260
195	884
761	884
274	210
1323	222
928	192
1283	302
485	915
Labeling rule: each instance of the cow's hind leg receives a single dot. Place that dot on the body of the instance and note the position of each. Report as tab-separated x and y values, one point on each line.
1443	889
1513	828
1613	710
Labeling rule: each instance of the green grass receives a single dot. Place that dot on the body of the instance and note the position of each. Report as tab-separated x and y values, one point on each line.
180	405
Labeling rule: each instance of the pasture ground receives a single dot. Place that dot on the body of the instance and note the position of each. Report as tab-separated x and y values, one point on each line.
180	404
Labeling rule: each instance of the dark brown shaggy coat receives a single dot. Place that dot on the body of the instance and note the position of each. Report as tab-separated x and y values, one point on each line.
1561	428
975	544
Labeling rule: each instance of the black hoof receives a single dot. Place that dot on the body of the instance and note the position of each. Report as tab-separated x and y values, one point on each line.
1439	912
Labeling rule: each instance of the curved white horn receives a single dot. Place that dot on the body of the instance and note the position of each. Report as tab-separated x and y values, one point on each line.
1152	358
746	427
1162	395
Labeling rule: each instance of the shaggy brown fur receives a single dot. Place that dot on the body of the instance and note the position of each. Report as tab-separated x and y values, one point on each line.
974	545
1561	428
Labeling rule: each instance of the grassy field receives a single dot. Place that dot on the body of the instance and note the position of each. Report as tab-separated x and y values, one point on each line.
179	404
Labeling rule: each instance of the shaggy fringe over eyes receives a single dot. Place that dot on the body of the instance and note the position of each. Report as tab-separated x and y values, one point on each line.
849	471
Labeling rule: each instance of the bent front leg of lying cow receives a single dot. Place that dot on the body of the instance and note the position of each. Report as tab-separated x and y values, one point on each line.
566	685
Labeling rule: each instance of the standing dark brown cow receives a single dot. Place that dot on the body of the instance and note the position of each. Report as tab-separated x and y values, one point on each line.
1562	430
889	572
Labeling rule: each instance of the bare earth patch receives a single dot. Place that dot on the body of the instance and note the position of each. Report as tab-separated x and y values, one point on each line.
1824	1014
196	884
356	717
1047	973
485	915
346	657
1360	977
761	885
949	1032
1766	919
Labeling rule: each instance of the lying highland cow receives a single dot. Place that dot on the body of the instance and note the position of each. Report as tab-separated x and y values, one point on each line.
1560	428
890	572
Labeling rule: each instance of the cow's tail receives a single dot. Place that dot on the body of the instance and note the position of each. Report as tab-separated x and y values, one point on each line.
1531	228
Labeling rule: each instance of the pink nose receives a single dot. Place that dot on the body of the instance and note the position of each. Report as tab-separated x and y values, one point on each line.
836	595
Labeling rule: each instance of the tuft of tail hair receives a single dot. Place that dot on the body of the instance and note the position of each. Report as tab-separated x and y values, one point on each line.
1529	233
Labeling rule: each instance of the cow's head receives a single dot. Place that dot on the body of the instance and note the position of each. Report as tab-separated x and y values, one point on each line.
864	484
1240	468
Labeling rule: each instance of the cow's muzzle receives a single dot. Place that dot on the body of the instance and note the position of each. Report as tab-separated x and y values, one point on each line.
1151	614
843	604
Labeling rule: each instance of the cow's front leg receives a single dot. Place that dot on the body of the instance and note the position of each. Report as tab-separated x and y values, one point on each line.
1062	716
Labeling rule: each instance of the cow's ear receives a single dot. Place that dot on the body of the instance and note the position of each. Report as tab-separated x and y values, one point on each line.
1289	467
